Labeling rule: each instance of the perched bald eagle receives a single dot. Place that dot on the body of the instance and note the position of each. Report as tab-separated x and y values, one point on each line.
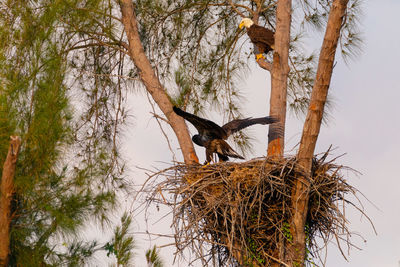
261	37
211	136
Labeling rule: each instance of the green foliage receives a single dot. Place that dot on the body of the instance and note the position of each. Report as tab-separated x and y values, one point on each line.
315	13
254	254
69	169
195	41
78	253
302	65
153	259
309	256
286	232
351	37
122	243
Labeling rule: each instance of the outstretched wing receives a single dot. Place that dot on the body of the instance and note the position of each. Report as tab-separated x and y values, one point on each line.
205	127
239	124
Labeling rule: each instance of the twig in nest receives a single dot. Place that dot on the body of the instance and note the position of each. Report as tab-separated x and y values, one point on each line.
238	214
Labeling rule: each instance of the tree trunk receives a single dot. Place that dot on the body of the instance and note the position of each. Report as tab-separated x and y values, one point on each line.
6	191
152	83
279	76
296	250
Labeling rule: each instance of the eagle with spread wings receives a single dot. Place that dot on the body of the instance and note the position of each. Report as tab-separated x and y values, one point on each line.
212	136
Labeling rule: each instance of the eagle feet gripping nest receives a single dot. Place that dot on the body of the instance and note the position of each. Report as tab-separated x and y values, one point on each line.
259	56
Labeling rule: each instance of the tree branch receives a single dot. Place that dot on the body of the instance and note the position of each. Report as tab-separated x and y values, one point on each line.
312	125
236	10
264	64
152	83
279	77
7	191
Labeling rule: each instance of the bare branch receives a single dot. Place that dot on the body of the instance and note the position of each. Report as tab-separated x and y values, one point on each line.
236	10
264	64
6	194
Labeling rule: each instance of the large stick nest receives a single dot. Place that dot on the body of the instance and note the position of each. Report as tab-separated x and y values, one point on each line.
239	213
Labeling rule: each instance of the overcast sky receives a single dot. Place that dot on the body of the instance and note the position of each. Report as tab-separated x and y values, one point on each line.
364	124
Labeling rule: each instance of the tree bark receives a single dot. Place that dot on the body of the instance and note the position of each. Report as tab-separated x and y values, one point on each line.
300	194
7	190
152	83
279	76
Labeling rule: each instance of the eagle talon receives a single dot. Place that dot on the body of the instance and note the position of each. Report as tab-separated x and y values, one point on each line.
206	164
258	56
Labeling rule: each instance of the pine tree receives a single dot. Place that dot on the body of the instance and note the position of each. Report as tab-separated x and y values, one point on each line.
122	242
64	67
68	169
153	259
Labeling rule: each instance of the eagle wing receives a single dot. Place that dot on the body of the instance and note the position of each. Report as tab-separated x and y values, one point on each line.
203	126
262	35
239	124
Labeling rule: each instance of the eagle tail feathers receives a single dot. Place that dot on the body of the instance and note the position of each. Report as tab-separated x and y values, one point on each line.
232	153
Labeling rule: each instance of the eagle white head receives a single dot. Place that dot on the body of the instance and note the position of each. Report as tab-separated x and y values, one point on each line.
246	22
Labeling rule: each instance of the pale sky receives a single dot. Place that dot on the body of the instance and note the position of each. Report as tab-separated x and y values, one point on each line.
364	124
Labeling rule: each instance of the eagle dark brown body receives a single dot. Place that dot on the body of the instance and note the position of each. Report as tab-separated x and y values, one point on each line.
262	37
212	136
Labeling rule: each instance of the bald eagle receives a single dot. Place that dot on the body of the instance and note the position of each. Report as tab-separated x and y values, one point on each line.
261	37
211	136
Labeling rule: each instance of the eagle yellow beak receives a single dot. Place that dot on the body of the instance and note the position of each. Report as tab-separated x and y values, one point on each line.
241	25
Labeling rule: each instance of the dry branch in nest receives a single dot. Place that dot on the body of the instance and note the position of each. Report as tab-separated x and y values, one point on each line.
238	213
